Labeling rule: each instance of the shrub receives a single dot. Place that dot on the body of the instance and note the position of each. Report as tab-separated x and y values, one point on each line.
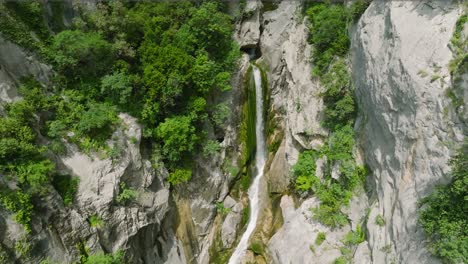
210	148
320	238
95	221
257	248
340	260
117	87
81	55
444	211
304	171
221	209
328	33
101	258
379	220
220	114
179	176
20	204
126	194
178	136
97	120
355	237
357	8
23	247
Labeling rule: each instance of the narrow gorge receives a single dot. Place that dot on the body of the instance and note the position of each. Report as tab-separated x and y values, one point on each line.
237	132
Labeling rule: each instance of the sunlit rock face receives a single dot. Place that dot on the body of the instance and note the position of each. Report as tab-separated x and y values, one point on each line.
400	56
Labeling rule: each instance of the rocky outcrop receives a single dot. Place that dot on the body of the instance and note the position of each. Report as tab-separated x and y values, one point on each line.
100	184
16	63
248	34
400	56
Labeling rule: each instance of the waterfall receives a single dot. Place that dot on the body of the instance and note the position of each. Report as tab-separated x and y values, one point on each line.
260	159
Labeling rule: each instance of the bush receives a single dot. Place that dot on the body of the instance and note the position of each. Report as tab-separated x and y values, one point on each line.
20	204
178	137
97	120
304	171
81	55
101	258
221	209
220	114
211	148
126	194
117	87
328	33
179	176
320	238
379	220
444	211
357	8
353	238
95	221
257	248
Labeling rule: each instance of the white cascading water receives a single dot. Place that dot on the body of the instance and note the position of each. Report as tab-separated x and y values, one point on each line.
260	159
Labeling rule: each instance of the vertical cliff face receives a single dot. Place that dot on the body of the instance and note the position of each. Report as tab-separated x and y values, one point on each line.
400	57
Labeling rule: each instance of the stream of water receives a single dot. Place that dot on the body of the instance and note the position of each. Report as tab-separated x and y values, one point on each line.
260	159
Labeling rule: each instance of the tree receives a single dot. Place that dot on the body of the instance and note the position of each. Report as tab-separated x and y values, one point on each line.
178	136
117	87
81	55
97	120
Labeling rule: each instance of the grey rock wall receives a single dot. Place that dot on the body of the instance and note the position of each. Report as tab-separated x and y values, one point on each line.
407	131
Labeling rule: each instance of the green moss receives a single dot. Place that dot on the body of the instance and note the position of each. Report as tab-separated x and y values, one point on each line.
257	248
247	129
245	216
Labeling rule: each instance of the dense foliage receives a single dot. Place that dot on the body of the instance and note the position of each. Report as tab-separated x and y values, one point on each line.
444	214
163	62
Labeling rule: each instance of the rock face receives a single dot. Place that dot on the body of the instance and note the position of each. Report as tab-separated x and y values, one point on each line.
14	64
295	101
295	241
249	31
133	227
405	133
100	184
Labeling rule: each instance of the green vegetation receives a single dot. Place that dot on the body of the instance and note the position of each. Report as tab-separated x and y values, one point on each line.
95	221
340	260
443	213
221	209
320	238
331	43
23	247
353	238
126	194
333	193
21	22
328	34
179	176
257	248
101	258
459	64
379	220
163	62
66	186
